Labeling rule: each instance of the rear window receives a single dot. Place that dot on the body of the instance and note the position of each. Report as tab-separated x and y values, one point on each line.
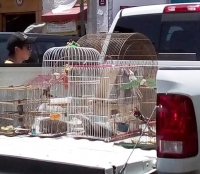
42	47
38	48
148	25
63	43
179	37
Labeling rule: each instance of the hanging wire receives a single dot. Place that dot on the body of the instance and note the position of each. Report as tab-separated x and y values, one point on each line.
125	165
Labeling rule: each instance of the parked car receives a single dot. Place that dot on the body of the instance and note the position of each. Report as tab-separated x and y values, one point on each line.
43	42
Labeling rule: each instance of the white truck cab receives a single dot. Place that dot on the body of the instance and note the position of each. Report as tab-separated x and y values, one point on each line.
172	28
174	31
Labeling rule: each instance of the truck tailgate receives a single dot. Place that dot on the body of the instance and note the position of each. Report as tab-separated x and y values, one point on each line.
184	81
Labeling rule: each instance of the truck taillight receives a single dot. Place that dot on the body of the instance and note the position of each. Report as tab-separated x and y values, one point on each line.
182	8
176	127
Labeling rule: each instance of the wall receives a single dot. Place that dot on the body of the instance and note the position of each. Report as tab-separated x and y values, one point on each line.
102	17
101	13
49	5
104	14
10	6
118	3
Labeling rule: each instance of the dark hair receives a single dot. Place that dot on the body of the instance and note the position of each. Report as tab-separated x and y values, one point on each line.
12	52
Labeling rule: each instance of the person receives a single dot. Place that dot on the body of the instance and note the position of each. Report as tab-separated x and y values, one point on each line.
19	47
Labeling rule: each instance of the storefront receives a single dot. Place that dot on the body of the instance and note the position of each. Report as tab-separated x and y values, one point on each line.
102	16
16	15
65	23
63	18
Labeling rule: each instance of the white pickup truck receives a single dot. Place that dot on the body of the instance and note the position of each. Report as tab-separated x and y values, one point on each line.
174	31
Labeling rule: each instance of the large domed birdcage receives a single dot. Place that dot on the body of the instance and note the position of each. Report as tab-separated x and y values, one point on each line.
136	58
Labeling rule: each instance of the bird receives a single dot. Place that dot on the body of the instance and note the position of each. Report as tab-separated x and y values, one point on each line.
115	113
46	93
67	69
132	76
20	112
139	115
56	75
143	82
20	107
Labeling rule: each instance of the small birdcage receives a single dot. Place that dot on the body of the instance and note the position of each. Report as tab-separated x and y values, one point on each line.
16	109
57	62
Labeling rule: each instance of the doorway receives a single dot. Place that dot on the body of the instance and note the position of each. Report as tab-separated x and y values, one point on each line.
19	22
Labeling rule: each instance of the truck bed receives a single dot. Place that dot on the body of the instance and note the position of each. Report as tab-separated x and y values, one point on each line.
37	154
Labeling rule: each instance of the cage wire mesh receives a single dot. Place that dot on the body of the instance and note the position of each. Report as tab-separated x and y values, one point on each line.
102	88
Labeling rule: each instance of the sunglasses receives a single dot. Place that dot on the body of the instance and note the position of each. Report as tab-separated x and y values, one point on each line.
27	46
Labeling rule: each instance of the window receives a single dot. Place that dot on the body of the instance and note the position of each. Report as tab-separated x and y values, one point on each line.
179	37
63	43
148	25
34	56
42	47
171	30
3	51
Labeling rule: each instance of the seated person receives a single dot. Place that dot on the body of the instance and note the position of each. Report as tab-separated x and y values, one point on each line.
19	47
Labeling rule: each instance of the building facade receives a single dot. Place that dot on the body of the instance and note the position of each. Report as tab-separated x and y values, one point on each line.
16	15
102	12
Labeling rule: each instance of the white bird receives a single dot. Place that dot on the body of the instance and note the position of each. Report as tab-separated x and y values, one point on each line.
132	76
45	107
143	82
56	75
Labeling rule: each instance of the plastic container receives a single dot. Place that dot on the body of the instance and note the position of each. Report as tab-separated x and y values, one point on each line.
122	127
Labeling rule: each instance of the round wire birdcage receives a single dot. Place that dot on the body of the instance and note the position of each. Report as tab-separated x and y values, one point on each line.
123	49
120	46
